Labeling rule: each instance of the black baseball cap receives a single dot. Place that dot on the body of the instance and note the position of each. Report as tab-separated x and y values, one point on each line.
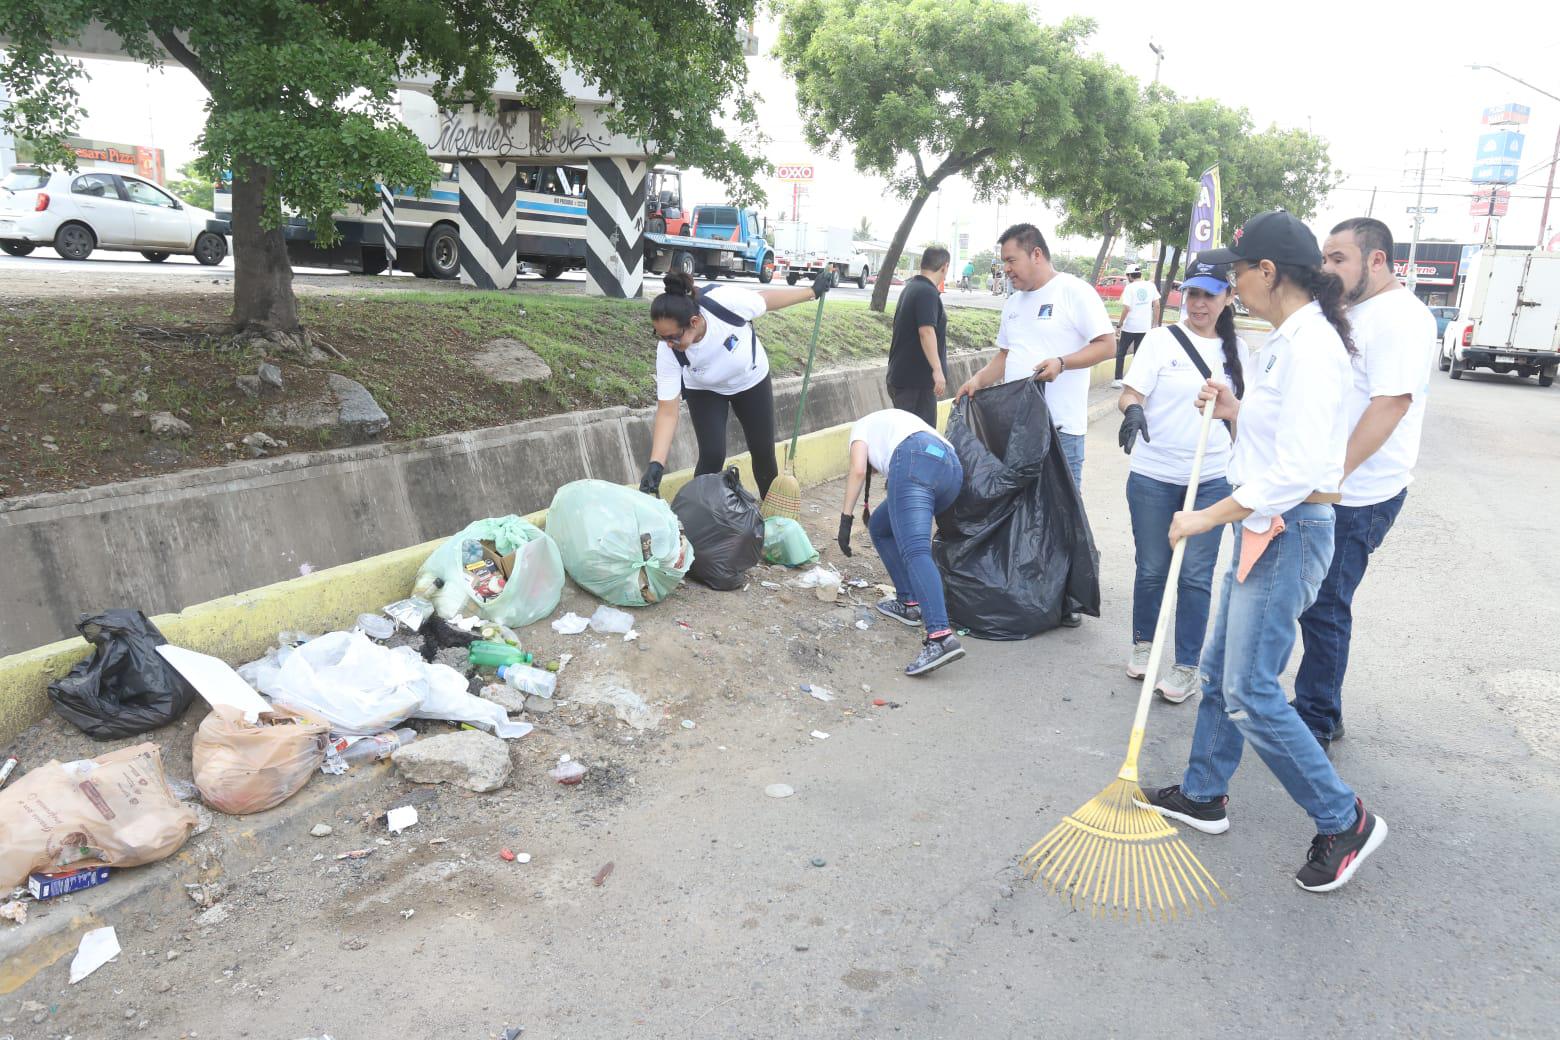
1276	235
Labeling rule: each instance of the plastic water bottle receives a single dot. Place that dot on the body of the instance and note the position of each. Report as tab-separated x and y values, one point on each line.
380	745
485	654
533	681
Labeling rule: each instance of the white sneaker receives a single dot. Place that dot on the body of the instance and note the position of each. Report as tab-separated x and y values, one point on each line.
1178	685
1115	384
1139	661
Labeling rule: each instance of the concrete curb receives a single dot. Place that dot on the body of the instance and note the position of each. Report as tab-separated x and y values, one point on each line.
243	626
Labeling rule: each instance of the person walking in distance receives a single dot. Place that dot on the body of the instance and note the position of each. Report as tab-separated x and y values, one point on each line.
924	478
1054	329
967	280
1395	336
1159	430
918	349
1291	439
709	355
1139	301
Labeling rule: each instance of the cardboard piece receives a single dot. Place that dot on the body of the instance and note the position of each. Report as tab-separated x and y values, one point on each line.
216	681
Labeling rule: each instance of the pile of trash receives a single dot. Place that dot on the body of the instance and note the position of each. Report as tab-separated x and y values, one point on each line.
323	704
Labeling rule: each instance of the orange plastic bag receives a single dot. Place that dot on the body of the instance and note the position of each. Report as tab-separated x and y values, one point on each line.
111	811
243	767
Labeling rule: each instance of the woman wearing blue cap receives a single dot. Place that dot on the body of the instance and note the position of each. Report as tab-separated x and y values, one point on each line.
1159	429
1291	438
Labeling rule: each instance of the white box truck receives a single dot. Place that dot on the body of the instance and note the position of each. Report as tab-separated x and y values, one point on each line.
1509	318
802	250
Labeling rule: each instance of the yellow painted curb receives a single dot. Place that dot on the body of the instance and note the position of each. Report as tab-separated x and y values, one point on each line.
243	626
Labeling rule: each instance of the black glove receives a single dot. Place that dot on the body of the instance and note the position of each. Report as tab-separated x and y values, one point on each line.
844	536
1133	422
650	483
823	283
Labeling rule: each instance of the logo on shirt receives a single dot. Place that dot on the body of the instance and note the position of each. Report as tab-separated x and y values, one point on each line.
731	343
1045	311
1271	362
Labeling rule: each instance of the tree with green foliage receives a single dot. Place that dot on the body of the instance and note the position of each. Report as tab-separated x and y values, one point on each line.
193	186
863	231
924	90
302	93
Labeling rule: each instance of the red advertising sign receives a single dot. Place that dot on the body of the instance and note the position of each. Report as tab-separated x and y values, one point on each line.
798	173
1491	201
1431	272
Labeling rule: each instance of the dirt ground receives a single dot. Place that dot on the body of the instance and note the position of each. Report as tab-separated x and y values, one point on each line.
731	663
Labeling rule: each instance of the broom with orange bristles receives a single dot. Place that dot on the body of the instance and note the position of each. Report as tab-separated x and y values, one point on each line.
1114	855
785	491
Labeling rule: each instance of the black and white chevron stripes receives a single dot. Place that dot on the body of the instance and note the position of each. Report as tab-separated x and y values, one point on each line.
487	223
387	225
614	228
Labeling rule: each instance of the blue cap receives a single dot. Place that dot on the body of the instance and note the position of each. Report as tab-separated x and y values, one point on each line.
1210	278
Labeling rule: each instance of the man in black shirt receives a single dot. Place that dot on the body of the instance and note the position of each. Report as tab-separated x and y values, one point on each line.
918	352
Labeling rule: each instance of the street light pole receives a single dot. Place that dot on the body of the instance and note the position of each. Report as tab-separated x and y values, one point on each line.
1549	189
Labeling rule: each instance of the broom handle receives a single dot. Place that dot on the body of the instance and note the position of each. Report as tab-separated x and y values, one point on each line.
796	433
1129	768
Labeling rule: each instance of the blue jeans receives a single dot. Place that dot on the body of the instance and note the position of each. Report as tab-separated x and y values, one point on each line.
1326	627
1242	699
1152	502
1072	450
924	478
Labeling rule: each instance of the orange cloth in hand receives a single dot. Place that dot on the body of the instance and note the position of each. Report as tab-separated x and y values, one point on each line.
1253	545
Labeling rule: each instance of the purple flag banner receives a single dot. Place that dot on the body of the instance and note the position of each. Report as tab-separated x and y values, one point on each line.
1205	216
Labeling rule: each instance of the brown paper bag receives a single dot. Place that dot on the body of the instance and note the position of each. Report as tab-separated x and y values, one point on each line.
114	810
243	767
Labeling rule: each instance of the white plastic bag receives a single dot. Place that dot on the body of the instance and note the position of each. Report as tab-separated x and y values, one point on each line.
448	699
343	679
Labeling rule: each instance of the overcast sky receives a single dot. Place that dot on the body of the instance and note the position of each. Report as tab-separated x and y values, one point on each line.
1376	80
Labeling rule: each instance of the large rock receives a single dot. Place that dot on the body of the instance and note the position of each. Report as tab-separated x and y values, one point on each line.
471	759
166	424
346	412
510	361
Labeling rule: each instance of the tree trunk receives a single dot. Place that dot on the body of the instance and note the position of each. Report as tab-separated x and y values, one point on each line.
895	248
1159	266
1099	258
263	299
1165	287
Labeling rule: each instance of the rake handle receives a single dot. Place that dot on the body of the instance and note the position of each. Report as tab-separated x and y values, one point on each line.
801	404
1129	767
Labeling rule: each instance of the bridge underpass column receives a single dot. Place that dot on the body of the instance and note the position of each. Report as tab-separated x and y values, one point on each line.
614	228
487	223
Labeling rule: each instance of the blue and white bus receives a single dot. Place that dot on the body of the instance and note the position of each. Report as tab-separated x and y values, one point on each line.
549	227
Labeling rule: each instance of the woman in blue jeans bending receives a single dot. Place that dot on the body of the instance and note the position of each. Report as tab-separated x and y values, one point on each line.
1159	429
1291	437
924	477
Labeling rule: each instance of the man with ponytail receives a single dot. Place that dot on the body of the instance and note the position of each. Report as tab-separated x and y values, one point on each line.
1291	440
710	356
1396	339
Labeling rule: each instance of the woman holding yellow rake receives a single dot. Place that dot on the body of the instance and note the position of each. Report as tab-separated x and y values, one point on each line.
1291	433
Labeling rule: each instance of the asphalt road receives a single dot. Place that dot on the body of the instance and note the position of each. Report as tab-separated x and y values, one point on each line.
717	924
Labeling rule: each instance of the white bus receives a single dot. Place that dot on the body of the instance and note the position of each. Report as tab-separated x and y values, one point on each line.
549	227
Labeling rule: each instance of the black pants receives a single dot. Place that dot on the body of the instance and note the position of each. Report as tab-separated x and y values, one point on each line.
917	400
755	408
1126	342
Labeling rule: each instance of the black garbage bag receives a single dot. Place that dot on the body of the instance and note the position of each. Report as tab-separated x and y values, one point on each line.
125	687
720	518
1015	550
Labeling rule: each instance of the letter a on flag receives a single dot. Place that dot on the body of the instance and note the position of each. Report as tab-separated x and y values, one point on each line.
1205	216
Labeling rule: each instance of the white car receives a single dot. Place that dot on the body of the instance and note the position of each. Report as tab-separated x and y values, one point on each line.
76	213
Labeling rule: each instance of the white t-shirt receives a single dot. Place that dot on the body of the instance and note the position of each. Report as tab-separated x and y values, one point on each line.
1139	297
1395	336
1057	319
1169	383
884	431
728	360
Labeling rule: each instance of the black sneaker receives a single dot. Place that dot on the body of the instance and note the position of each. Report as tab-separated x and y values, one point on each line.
1208	817
934	654
904	613
1334	858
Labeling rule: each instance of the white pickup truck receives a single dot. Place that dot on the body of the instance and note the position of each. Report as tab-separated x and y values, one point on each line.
802	250
1509	319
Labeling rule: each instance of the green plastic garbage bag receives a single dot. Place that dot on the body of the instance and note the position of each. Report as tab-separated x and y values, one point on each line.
618	542
785	542
529	593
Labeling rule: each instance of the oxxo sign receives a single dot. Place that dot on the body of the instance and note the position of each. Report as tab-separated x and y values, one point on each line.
795	173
